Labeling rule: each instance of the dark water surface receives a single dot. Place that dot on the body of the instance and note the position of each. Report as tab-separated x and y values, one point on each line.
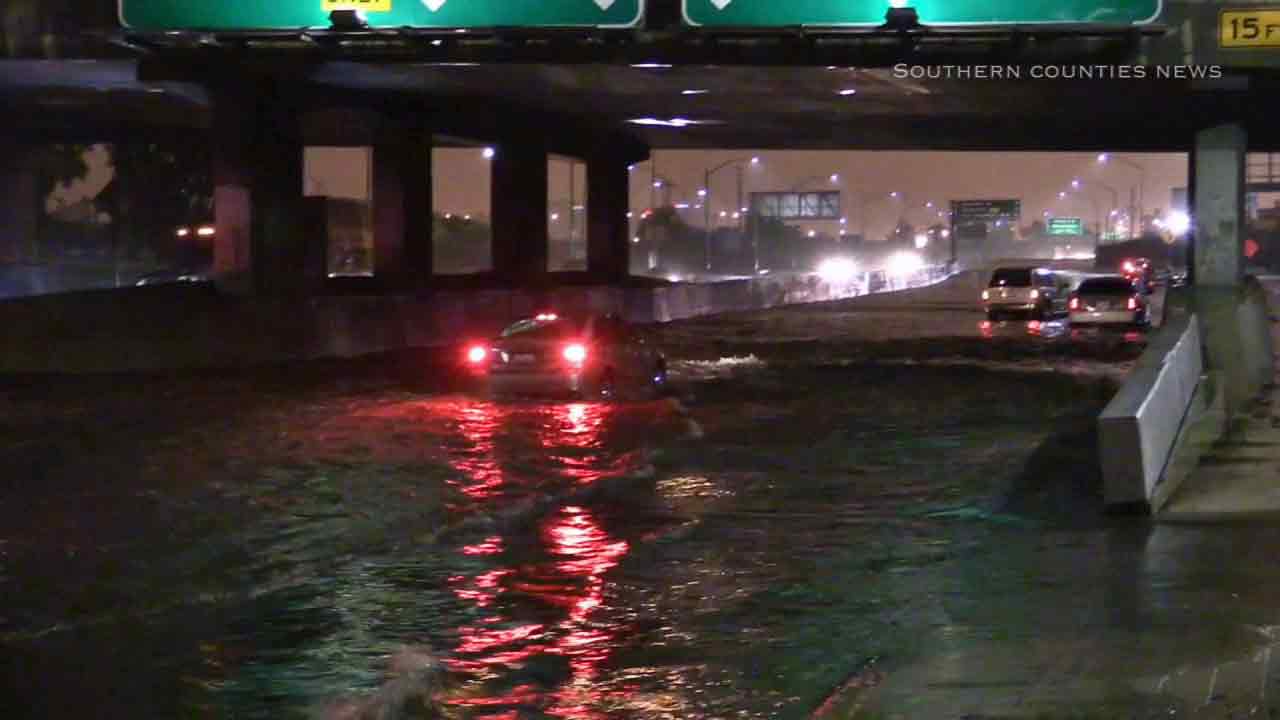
738	553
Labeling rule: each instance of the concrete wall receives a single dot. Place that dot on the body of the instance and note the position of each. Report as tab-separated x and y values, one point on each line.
172	327
1138	431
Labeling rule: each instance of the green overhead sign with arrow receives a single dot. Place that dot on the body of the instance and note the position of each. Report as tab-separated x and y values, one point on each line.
248	15
853	13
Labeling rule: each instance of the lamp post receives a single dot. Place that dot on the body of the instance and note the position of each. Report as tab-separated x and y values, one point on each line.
705	194
1135	220
1097	214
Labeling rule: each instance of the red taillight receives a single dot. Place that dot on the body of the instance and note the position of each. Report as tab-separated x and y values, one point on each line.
477	355
576	354
1075	303
1133	303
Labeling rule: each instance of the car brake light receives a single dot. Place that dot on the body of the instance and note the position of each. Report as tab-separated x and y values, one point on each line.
576	354
477	354
1133	303
1075	303
1035	294
986	295
547	317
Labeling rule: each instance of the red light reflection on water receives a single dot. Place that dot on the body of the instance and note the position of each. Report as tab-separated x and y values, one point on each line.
478	423
577	427
572	579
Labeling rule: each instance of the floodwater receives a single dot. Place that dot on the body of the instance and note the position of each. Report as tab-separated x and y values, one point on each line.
779	540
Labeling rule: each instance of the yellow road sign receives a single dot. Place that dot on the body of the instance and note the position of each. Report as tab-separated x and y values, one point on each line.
363	5
1253	28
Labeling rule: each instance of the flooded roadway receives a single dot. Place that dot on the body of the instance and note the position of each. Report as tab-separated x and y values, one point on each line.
797	532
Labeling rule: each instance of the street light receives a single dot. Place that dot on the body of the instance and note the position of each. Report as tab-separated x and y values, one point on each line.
488	153
706	193
1106	158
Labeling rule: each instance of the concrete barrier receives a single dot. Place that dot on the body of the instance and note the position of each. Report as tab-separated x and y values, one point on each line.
174	327
1138	431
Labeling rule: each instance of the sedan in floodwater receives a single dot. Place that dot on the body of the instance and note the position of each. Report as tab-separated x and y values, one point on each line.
1110	301
598	356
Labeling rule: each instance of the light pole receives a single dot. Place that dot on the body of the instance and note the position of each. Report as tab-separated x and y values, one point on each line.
1135	220
1115	197
705	194
1097	214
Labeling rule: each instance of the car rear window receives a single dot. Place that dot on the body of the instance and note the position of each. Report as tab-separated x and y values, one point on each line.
1011	278
1107	286
534	329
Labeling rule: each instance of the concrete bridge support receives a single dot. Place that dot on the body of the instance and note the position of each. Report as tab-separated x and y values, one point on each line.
271	240
1232	311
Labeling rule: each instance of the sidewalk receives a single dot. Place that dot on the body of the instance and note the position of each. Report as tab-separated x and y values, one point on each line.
1236	477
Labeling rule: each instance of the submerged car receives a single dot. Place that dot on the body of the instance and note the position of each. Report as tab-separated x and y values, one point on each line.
597	356
1109	301
1038	292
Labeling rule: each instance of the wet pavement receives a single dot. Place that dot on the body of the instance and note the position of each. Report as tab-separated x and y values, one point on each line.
870	524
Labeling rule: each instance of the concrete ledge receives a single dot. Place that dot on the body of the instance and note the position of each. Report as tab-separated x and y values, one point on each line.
1138	430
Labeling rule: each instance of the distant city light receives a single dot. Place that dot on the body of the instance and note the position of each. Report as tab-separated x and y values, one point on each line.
835	178
1179	223
694	92
946	233
813	233
844	221
466	217
724	213
635	239
922	241
1075	184
903	264
1062	194
702	192
1103	157
848	91
682	206
737	215
630	214
555	217
657	183
488	153
837	270
755	161
183	232
894	194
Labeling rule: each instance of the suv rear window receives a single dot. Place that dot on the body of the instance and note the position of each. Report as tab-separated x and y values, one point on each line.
534	329
1011	278
1107	286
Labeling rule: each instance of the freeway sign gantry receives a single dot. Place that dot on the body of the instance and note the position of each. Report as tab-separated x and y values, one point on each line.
862	13
247	15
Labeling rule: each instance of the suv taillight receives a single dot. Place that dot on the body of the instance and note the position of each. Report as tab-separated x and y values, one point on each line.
1133	303
575	353
1075	303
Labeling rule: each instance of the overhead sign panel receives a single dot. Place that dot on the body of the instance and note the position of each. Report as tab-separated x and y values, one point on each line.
1253	28
967	211
854	13
1066	226
247	15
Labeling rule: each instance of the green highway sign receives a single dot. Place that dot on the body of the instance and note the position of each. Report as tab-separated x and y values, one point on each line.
852	13
244	15
1066	226
968	211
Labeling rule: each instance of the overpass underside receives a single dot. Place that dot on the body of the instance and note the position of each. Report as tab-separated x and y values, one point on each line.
261	100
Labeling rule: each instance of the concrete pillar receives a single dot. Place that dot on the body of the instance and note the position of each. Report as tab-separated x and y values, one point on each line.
260	242
1218	187
402	209
1216	265
520	213
608	199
